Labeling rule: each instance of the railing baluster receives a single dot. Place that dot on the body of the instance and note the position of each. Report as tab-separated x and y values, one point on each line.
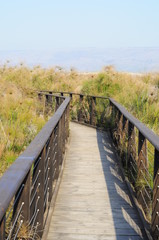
40	96
131	149
92	111
80	114
131	140
50	98
58	155
71	103
112	119
61	99
124	141
60	140
48	103
21	209
63	132
155	200
2	228
142	153
120	127
50	166
142	164
116	125
26	198
40	208
68	120
57	103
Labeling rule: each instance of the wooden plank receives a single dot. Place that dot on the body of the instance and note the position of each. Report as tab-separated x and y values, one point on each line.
94	229
69	236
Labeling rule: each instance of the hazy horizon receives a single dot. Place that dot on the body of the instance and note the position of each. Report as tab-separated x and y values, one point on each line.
130	59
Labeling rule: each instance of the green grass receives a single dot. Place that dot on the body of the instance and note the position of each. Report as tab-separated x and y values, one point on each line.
139	94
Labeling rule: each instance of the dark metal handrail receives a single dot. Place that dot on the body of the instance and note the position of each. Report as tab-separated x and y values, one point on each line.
148	134
22	188
73	93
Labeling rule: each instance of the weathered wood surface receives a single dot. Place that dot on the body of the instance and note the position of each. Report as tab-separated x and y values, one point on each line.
93	202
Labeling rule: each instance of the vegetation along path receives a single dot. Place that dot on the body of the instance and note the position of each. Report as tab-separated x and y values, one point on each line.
93	201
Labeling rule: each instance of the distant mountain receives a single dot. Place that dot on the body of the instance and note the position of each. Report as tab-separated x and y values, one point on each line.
88	60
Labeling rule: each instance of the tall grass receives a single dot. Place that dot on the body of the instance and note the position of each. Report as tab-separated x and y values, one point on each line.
21	115
138	93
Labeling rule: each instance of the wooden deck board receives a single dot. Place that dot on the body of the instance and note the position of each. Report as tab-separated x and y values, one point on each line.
93	202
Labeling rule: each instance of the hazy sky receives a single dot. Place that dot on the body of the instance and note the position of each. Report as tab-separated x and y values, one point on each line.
74	24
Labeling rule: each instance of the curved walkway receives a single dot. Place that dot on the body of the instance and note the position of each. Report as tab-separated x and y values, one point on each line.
93	202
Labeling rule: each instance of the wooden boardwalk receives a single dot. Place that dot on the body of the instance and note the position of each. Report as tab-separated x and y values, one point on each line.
93	202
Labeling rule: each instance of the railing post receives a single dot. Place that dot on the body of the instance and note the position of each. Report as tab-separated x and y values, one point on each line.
57	103
50	165
142	153
2	228
71	102
63	133
60	142
116	118
21	210
155	200
58	155
48	103
131	153
80	117
124	141
112	120
41	100
40	208
68	118
25	197
119	132
47	99
61	99
116	124
131	142
92	111
40	96
142	164
50	99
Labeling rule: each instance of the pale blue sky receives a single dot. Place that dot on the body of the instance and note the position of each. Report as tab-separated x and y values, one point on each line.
75	24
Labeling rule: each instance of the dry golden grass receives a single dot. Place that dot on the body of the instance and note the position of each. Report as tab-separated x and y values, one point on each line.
21	117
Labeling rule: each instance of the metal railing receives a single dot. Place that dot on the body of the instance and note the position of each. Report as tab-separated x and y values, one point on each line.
137	146
87	109
27	187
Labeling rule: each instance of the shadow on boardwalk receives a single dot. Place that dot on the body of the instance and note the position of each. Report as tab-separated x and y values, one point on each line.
125	219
